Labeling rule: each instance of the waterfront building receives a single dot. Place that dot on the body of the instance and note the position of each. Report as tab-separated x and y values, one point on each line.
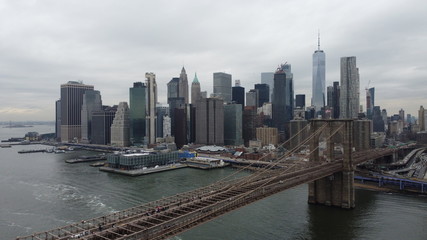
318	83
267	136
91	102
120	128
137	111
161	111
268	78
195	90
349	89
300	101
233	124
58	120
263	93
151	107
71	109
101	125
222	86
252	98
238	94
183	86
173	89
210	121
134	161
283	97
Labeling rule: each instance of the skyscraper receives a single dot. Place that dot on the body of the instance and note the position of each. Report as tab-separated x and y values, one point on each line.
121	126
238	94
377	120
300	101
183	85
349	89
370	101
58	120
233	124
222	86
336	100
421	118
252	98
268	78
101	125
137	111
71	109
151	107
161	111
210	121
195	90
283	97
318	84
91	102
263	93
173	88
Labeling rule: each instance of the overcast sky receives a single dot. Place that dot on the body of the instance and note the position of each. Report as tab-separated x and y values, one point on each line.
111	44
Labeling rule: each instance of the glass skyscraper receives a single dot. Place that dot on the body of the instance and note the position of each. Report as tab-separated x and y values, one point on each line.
137	101
222	86
318	83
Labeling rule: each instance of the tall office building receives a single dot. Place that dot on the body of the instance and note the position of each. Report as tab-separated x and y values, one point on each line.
238	94
336	100
101	125
263	93
195	90
370	102
210	121
283	97
151	107
300	101
421	118
402	115
173	88
120	128
183	85
71	110
377	120
329	96
349	89
91	102
318	84
58	120
251	121
233	124
222	86
161	111
137	111
252	98
268	78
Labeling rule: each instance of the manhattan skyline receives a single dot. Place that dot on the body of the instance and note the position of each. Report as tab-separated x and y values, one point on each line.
111	45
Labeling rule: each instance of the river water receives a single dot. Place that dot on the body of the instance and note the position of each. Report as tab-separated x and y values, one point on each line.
39	191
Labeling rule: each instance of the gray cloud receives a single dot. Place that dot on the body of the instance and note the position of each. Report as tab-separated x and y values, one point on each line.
111	44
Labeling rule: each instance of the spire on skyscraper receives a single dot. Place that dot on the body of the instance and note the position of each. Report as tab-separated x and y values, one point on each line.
318	40
195	80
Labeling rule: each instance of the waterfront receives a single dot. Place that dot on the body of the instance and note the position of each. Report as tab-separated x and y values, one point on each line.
39	191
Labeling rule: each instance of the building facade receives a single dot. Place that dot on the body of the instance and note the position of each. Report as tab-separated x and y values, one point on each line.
318	83
263	93
238	94
222	86
252	98
195	90
91	102
233	124
349	89
101	125
120	128
267	136
137	111
71	110
151	107
268	78
183	86
283	97
210	121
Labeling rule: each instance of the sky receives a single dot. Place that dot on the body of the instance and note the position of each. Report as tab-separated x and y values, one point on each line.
111	44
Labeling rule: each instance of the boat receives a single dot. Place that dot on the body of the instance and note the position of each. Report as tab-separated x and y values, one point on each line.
57	151
5	145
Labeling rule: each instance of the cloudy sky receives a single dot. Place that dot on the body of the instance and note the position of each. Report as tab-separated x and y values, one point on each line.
111	44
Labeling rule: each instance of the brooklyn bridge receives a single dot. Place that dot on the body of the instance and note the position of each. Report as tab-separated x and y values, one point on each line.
329	173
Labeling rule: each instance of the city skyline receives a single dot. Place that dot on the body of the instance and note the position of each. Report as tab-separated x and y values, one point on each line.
46	44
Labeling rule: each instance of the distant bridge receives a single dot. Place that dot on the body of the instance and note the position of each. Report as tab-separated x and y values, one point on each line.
330	181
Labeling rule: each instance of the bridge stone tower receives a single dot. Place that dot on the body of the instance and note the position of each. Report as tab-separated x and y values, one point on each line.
333	138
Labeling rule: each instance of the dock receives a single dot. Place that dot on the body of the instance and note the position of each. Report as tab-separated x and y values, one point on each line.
32	151
206	163
83	159
143	171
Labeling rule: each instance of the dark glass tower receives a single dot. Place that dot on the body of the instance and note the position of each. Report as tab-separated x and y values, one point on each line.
300	101
263	93
283	98
137	100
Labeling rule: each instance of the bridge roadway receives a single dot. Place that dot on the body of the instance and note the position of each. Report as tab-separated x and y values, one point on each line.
175	214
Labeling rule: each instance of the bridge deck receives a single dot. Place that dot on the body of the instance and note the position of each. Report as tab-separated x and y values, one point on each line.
169	216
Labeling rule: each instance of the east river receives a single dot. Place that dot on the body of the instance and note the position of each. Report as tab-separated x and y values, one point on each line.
39	191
